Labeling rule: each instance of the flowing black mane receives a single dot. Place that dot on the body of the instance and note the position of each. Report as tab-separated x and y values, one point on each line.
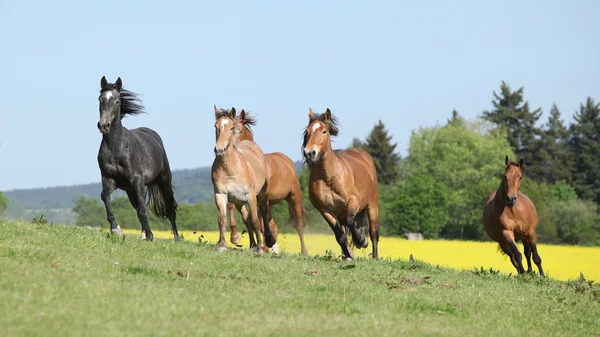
130	102
249	120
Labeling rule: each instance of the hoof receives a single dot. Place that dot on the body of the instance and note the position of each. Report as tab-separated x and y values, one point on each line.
235	239
348	258
221	249
275	249
117	231
177	238
270	241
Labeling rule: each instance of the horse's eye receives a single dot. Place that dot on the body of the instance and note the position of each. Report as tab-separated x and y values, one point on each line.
324	132
117	102
232	127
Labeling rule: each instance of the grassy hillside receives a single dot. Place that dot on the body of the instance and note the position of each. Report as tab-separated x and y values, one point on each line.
73	281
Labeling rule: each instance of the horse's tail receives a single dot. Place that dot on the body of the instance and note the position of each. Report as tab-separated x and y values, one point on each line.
292	216
157	202
362	224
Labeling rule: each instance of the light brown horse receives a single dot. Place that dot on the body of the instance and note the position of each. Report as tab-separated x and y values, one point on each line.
239	175
342	184
510	216
283	185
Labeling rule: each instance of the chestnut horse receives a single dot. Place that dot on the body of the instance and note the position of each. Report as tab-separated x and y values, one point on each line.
510	216
283	185
239	175
342	184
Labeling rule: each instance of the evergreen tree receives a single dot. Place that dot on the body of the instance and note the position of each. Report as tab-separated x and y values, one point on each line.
550	158
513	113
379	146
356	142
585	149
456	119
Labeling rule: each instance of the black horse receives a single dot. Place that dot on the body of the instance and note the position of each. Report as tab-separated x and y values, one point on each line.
133	159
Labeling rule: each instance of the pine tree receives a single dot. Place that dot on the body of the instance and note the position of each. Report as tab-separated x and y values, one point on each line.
550	153
378	145
356	142
456	119
585	151
513	113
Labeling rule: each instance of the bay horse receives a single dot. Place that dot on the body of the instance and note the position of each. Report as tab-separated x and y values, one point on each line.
133	159
342	184
239	175
510	216
283	185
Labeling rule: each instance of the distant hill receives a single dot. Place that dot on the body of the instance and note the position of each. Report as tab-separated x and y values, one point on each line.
191	186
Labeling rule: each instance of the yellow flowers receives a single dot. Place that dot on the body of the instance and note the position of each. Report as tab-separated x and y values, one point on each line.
559	262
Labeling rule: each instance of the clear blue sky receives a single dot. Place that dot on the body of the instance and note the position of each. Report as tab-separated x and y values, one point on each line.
408	63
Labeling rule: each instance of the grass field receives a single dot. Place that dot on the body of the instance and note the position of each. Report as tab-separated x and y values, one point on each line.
70	281
559	262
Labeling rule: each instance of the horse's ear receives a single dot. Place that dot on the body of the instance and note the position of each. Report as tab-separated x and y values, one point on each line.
506	161
311	114
233	112
103	82
328	114
243	115
521	164
217	111
119	84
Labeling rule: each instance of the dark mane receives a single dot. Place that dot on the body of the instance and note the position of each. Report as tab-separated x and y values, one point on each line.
332	125
130	102
249	121
224	113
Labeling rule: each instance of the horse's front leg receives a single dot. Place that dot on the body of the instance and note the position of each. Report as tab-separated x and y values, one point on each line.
358	237
221	202
235	236
108	186
246	218
142	212
340	235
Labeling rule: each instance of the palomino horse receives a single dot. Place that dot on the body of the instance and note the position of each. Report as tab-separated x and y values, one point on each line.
510	216
342	184
283	184
133	159
239	175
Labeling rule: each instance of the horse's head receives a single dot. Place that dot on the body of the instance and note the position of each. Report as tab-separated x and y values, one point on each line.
317	135
243	124
511	181
110	103
224	130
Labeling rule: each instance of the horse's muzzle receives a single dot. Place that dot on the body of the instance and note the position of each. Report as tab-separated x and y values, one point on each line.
104	127
219	152
511	201
311	156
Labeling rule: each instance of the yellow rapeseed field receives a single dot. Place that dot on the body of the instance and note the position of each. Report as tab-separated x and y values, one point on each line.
559	262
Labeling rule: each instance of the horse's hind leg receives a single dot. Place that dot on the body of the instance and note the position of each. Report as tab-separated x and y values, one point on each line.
248	222
527	249
108	186
142	211
373	214
536	256
235	236
170	206
294	201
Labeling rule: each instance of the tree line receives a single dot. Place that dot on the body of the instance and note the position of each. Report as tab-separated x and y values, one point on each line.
439	187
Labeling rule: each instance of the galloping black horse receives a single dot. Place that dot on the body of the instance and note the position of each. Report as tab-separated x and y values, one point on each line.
133	159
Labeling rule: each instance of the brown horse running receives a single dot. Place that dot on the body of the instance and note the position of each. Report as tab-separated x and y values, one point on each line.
342	184
239	175
510	216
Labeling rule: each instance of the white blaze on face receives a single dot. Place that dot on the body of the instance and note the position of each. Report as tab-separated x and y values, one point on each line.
223	123
316	126
107	95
